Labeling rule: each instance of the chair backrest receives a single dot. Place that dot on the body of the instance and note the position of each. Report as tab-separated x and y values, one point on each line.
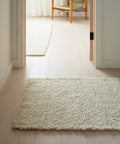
79	1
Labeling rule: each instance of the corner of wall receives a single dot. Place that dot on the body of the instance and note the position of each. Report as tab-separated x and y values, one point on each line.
5	74
17	63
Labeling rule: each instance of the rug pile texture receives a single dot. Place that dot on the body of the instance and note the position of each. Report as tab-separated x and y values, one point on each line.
69	104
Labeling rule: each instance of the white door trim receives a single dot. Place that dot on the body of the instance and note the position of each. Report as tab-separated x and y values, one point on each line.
19	61
20	30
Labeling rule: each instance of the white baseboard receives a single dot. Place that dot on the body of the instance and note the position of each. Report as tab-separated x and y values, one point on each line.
4	74
113	64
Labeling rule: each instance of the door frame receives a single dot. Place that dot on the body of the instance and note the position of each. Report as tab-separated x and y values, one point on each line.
21	30
24	32
91	29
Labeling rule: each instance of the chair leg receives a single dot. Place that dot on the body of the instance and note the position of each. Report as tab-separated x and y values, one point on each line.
86	15
67	5
52	9
52	13
67	14
71	5
86	9
70	16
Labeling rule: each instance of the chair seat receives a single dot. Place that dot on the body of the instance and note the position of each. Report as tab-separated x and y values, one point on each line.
78	9
67	8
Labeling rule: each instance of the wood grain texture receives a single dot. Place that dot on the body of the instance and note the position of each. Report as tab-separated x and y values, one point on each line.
52	8
86	9
67	5
62	60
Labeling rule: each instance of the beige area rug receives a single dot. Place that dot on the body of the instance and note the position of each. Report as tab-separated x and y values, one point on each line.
38	35
69	104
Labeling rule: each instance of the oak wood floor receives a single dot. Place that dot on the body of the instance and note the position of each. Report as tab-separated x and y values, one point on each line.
65	58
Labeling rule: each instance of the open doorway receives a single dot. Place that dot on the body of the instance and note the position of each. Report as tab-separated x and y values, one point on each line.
66	47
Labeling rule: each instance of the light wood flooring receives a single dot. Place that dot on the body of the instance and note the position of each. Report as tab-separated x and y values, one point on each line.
67	56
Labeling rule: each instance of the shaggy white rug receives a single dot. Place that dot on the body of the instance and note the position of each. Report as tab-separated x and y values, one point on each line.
69	104
38	35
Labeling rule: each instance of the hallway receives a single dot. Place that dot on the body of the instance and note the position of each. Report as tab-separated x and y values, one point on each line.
65	60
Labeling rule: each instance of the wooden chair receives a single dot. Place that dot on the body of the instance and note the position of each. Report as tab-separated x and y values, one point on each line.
69	8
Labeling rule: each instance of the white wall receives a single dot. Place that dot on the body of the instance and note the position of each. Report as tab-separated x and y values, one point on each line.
14	29
110	34
5	40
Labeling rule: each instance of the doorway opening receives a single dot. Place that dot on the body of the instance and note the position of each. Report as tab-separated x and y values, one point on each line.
58	48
